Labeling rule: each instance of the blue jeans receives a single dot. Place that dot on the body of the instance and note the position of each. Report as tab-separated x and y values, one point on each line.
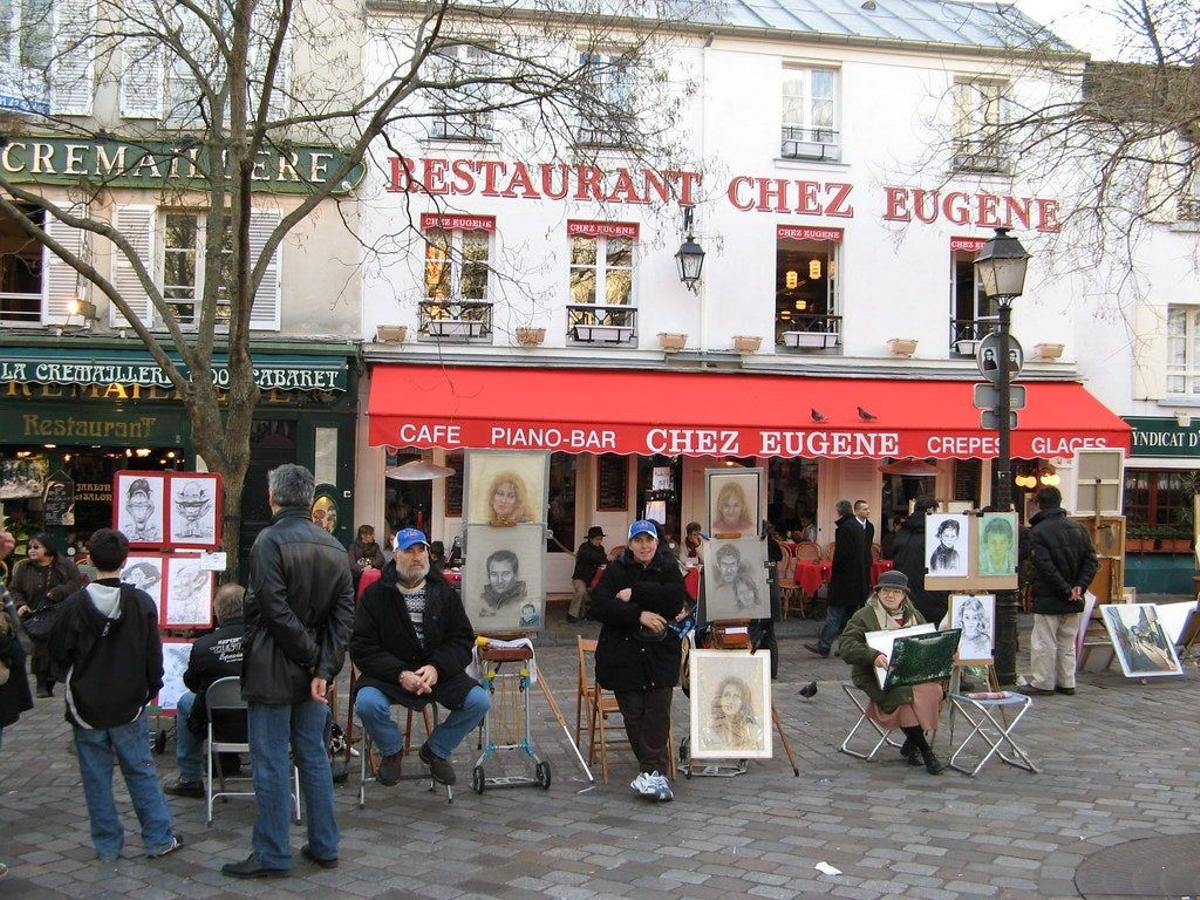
835	621
130	745
189	747
374	711
271	727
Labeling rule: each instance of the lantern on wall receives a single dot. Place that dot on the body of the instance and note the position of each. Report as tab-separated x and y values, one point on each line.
814	269
791	279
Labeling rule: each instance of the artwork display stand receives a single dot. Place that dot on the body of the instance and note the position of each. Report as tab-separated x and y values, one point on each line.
732	636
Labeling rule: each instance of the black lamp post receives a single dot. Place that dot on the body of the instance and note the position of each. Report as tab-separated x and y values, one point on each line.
1000	265
690	256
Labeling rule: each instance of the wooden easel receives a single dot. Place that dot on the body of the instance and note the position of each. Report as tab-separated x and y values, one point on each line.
736	636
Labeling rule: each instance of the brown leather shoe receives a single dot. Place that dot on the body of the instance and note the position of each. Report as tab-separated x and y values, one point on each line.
389	769
813	648
440	769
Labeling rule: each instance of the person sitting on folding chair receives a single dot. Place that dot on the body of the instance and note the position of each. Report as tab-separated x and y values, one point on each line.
914	709
412	641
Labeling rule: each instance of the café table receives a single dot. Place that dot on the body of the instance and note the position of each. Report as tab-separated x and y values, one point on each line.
810	575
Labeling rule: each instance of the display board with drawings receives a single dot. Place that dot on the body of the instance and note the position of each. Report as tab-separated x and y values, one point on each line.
168	509
505	487
975	616
189	593
967	552
736	586
177	652
146	572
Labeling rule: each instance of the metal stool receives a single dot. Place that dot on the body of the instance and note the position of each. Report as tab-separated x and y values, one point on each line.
981	711
884	736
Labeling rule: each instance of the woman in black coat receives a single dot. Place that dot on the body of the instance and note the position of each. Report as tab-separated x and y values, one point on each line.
637	656
44	578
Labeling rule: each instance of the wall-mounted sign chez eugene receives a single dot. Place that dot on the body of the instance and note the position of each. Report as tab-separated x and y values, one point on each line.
46	160
516	179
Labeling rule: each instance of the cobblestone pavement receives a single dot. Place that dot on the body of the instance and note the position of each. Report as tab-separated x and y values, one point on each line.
1118	762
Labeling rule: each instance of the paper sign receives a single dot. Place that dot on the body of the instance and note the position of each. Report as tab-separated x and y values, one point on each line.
213	562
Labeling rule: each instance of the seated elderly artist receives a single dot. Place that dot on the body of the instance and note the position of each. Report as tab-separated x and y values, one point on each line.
216	655
411	643
914	709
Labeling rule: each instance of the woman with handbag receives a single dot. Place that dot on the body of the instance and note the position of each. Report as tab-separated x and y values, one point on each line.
43	579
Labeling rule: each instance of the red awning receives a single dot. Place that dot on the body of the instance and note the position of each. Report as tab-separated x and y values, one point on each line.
719	414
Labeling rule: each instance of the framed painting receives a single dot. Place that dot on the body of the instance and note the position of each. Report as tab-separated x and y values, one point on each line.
145	571
731	704
735	580
503	578
177	652
189	593
195	509
997	544
733	501
946	550
504	488
139	507
975	615
1141	642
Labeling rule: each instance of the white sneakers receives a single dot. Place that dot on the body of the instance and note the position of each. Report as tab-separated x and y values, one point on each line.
652	786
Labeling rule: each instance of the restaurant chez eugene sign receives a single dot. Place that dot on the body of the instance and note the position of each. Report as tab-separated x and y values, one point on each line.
441	176
45	160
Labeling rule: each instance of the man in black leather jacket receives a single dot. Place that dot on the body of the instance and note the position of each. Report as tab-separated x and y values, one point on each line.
299	608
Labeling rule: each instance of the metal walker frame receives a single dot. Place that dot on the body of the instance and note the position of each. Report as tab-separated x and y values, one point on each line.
507	726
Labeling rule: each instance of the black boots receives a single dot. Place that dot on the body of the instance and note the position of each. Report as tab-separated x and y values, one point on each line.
914	744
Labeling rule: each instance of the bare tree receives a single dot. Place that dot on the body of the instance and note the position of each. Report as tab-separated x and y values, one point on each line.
227	84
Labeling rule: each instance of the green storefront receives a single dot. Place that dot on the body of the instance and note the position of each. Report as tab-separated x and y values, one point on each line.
73	413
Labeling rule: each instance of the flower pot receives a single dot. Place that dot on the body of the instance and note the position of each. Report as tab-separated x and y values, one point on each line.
1047	351
1138	545
530	337
671	342
391	334
1176	545
746	343
902	346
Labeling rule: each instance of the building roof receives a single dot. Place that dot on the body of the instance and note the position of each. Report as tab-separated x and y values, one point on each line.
959	23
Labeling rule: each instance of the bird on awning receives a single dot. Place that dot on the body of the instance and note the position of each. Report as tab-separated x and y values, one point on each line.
866	416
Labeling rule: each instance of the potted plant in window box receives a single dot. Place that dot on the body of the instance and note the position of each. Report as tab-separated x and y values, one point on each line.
672	342
746	343
1139	538
528	336
1048	351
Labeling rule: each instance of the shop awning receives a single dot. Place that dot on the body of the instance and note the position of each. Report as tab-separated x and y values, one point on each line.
719	414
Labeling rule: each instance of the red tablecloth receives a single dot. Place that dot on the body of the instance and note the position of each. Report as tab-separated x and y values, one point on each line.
878	568
368	578
811	575
451	576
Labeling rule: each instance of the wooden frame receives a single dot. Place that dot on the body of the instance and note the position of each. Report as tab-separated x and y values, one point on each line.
973	581
751	484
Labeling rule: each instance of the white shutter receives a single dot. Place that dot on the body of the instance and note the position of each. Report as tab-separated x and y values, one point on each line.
136	223
142	79
1149	352
281	96
264	315
61	282
72	67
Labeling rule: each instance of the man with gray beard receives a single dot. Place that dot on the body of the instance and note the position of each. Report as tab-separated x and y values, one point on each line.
411	642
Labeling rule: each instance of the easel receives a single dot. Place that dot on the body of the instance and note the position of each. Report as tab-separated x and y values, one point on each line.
735	636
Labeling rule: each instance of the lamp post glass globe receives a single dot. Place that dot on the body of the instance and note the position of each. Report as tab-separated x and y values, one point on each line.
690	258
1001	264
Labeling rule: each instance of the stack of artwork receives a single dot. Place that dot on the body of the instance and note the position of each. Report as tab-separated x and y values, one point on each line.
504	516
735	571
971	552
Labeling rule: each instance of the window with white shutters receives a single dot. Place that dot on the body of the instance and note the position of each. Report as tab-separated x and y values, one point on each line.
62	283
142	78
136	225
264	314
72	67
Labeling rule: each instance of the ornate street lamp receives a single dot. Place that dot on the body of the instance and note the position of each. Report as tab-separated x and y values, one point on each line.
1000	266
690	256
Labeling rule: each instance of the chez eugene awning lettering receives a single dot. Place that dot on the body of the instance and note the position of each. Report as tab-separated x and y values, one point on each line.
617	411
442	176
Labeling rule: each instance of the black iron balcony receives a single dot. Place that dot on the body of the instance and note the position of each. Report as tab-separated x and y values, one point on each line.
808	331
597	323
965	334
984	156
799	142
457	320
475	127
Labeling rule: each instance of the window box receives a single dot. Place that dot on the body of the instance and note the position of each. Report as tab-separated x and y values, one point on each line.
1138	545
455	328
1048	351
463	320
905	347
672	342
746	343
391	334
598	323
810	340
603	334
530	337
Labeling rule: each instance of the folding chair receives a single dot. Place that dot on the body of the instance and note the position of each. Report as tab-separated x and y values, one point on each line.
222	699
368	767
863	719
997	733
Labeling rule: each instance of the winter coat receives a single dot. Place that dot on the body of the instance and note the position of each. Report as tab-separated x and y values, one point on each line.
384	642
851	580
1063	558
31	584
363	556
908	554
588	558
855	651
628	658
113	666
299	607
15	697
216	655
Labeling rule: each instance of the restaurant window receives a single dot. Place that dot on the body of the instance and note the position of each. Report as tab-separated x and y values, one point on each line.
462	113
601	308
809	128
407	504
1183	349
658	492
968	479
980	117
1161	498
806	293
972	314
607	122
560	516
457	275
20	270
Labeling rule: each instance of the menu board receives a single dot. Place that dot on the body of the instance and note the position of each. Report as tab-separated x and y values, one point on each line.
454	486
612	482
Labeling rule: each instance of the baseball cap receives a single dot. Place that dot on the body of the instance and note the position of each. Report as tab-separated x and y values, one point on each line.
406	537
642	526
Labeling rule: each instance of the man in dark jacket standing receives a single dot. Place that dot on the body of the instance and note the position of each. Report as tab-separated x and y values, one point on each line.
588	559
637	655
412	640
299	607
106	641
851	581
909	556
1064	564
214	656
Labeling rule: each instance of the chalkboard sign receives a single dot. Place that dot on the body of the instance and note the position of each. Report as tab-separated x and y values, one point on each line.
58	502
454	487
612	483
968	474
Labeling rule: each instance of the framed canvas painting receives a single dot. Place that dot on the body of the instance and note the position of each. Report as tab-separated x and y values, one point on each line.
1140	640
139	507
735	580
998	544
189	593
731	704
946	551
502	586
505	488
